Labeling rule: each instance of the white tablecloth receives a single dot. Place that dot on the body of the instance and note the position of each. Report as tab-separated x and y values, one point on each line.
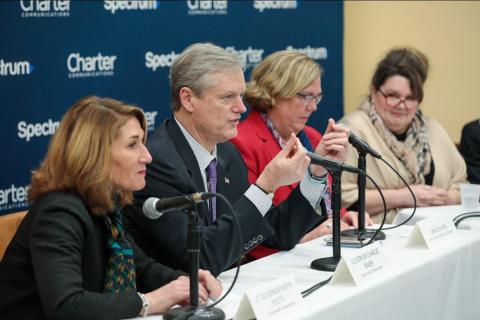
440	283
438	211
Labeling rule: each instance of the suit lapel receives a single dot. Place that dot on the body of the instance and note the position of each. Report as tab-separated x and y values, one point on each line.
191	164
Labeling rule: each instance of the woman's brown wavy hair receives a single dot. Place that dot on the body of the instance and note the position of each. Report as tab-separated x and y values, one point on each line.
78	159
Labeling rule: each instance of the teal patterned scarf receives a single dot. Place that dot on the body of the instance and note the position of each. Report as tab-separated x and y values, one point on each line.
120	274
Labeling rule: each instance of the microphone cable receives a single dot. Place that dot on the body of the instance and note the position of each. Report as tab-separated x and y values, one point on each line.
411	192
384	204
316	286
380	228
237	224
320	284
464	216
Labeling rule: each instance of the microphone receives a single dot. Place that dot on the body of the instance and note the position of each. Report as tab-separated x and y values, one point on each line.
332	165
154	208
362	146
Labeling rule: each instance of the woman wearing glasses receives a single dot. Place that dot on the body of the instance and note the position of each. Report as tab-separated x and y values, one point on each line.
392	122
284	91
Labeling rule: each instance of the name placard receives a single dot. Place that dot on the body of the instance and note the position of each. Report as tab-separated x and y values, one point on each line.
272	300
360	265
429	232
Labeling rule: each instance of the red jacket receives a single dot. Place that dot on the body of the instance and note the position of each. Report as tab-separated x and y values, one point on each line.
258	147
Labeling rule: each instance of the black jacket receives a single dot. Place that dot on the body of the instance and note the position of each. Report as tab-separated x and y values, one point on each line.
470	150
174	171
55	266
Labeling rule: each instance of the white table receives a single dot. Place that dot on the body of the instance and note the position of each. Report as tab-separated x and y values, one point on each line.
440	283
449	212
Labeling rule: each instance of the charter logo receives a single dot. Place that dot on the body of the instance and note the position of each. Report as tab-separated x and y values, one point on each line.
261	5
207	7
45	8
28	131
114	6
319	53
14	198
150	117
96	66
154	61
15	68
250	56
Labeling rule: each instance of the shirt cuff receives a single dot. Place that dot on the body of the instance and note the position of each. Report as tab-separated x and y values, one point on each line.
313	190
259	199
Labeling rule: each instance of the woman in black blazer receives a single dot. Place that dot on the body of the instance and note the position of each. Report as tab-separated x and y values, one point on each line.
71	258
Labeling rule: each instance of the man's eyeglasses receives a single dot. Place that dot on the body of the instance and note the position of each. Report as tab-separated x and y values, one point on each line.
307	98
393	100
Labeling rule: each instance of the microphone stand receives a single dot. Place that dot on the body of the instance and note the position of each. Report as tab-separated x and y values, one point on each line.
194	311
330	263
361	232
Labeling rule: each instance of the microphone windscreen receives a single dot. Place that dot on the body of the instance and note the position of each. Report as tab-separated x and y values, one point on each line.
149	208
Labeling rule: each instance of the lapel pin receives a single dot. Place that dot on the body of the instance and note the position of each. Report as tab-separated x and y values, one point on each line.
227	181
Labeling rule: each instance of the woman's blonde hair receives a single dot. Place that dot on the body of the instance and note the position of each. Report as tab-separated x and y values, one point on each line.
281	75
78	159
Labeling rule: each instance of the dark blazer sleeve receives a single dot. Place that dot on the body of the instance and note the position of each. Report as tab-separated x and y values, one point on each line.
151	275
59	239
292	219
174	172
470	150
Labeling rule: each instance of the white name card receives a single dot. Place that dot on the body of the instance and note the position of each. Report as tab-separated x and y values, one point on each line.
272	300
361	265
429	232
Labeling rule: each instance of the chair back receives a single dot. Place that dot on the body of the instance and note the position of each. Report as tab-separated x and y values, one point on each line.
8	226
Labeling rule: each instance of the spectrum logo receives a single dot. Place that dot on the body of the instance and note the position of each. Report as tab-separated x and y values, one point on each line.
85	67
250	56
116	5
28	131
154	61
319	53
14	198
45	8
261	5
150	117
207	7
15	68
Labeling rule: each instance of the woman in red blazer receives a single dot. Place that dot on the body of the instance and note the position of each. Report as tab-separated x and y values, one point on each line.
284	91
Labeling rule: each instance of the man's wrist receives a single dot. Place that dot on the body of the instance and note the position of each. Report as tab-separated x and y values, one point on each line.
265	184
269	194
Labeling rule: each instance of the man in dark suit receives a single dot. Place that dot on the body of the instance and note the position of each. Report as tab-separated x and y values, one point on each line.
470	149
207	86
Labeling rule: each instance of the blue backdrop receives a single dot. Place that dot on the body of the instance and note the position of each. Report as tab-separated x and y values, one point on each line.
54	52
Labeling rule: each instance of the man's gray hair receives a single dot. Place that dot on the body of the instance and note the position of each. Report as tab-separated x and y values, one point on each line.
193	67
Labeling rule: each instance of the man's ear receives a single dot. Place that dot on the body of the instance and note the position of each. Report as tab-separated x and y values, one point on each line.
187	96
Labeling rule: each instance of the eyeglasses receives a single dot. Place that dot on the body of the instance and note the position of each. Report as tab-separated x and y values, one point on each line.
392	100
307	98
